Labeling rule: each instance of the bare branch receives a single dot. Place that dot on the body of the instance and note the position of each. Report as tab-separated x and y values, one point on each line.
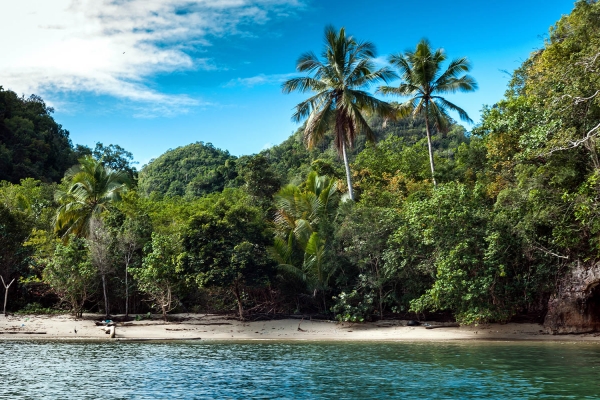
544	250
575	143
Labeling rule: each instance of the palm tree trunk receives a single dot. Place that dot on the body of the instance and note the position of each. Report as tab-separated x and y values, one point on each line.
348	176
429	144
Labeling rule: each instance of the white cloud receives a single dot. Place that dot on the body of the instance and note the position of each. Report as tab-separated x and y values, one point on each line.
381	61
115	47
260	79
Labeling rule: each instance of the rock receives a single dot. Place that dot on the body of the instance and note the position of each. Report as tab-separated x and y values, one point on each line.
413	323
575	306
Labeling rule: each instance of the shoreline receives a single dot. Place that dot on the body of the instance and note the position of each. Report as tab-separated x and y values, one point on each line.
213	328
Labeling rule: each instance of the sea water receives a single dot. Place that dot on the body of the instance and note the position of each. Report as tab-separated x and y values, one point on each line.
299	370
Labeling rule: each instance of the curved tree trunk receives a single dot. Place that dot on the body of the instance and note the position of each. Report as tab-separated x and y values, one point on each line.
429	144
348	176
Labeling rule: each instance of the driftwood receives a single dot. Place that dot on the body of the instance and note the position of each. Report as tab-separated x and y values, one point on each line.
443	326
300	329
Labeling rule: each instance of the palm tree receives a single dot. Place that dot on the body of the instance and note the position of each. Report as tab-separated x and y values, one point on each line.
299	246
92	187
338	81
424	81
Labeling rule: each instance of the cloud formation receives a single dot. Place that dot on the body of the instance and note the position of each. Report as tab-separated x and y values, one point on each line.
260	79
115	47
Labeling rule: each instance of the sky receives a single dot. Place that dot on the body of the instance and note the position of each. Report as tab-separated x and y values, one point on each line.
153	75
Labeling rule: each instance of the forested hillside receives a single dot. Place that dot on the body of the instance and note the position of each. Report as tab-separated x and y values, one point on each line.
485	225
32	144
193	170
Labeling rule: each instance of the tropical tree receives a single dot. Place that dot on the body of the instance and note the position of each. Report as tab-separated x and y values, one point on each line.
71	274
424	81
91	188
160	273
226	245
301	223
339	80
14	254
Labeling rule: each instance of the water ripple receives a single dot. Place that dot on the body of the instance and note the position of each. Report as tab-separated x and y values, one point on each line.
117	370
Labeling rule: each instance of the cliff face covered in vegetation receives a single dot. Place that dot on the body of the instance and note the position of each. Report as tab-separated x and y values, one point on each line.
507	227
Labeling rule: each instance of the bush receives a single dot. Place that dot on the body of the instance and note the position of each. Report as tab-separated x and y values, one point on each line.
353	306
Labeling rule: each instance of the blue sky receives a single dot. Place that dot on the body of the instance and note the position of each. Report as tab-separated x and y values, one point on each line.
151	75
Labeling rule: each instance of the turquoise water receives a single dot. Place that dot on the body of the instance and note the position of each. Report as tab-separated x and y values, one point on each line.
267	370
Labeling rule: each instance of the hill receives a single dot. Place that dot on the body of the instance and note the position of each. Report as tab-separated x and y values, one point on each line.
193	170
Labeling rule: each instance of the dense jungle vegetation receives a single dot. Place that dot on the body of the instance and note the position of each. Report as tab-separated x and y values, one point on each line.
480	225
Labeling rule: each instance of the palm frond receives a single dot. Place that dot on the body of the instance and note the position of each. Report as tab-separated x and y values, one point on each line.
451	106
438	113
303	85
455	68
402	64
318	123
308	62
465	84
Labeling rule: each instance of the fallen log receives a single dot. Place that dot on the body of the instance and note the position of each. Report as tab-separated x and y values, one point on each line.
443	326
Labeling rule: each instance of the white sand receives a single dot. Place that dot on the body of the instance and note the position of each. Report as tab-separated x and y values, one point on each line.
211	327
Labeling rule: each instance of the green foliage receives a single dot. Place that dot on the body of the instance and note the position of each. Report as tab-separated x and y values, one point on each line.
192	171
14	255
32	144
92	187
515	206
116	158
71	275
303	222
339	100
360	242
160	275
260	181
424	82
353	307
225	245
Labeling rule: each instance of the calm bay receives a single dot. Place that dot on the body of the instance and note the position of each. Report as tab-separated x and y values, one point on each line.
350	370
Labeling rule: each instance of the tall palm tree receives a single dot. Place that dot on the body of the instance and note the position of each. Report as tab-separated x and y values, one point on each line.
92	187
423	80
339	80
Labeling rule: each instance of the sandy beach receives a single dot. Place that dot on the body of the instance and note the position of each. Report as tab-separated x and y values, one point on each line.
214	327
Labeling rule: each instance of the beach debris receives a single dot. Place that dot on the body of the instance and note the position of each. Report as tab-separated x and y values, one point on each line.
453	325
107	322
300	329
109	330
